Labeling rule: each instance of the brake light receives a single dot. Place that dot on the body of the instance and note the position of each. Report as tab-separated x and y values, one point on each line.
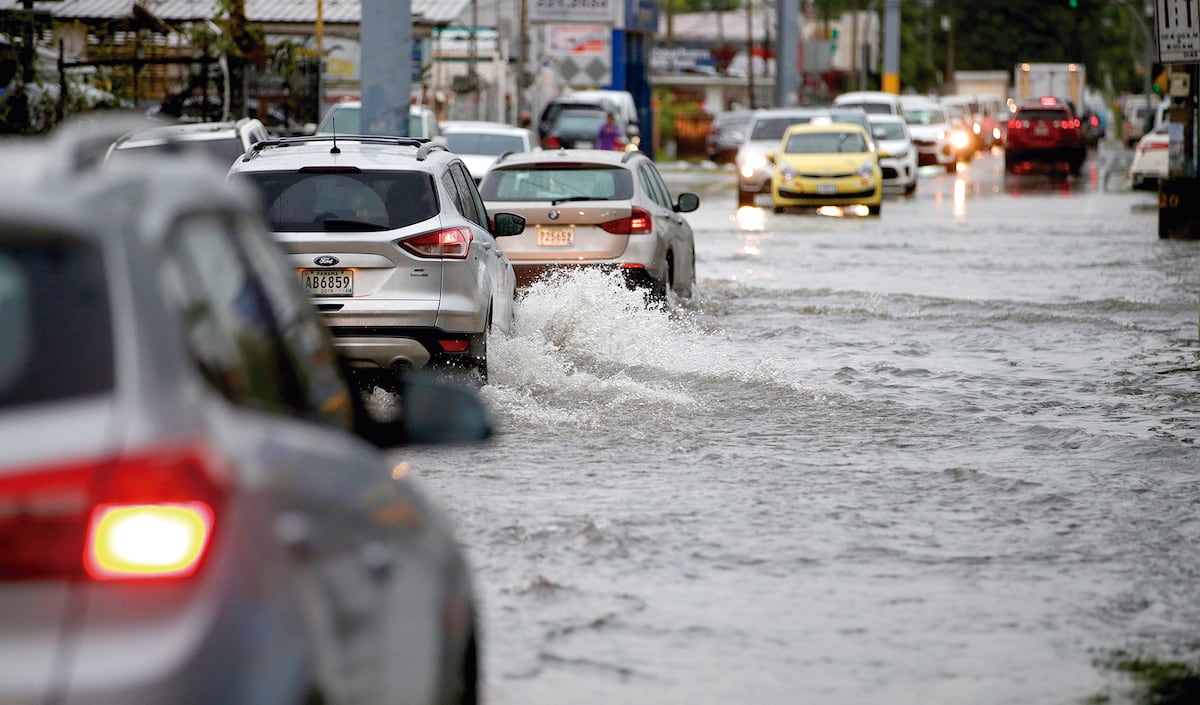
551	142
1094	121
452	243
638	223
149	515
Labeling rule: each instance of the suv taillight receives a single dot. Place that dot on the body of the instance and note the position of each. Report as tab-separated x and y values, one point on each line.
452	243
638	223
147	515
551	142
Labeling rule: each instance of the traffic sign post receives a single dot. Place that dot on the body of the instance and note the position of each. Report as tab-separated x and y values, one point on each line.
1178	25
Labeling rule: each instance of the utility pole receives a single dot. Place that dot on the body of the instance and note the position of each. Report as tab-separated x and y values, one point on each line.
387	51
750	51
787	76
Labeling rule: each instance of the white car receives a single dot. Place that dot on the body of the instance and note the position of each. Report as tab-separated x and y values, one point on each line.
1149	164
932	131
479	142
897	153
346	118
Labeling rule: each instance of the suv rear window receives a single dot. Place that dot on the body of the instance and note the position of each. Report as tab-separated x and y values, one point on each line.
539	182
316	201
54	311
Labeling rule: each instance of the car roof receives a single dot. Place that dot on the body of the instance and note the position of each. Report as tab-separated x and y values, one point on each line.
186	131
374	152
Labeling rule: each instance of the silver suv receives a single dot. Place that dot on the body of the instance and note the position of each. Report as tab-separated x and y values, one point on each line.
185	513
391	238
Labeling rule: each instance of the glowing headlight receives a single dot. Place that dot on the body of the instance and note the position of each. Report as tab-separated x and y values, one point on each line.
960	140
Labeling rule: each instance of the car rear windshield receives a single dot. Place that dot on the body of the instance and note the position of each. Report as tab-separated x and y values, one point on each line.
871	107
54	311
1042	114
825	143
542	182
315	201
483	143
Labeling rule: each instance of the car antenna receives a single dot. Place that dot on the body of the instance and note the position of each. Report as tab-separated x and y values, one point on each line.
333	126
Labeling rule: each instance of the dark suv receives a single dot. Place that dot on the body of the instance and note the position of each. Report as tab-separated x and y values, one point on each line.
1045	131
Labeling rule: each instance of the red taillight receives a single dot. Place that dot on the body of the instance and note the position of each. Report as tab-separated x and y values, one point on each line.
139	516
551	142
452	243
638	223
1094	121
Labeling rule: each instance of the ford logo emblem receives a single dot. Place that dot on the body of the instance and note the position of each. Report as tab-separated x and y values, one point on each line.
325	261
553	215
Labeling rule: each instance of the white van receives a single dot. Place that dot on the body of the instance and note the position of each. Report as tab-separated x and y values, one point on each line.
871	102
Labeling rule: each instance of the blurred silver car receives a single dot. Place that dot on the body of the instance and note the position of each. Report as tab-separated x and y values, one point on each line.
185	513
595	208
392	240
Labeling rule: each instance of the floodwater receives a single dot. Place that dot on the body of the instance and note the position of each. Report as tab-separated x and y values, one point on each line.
944	456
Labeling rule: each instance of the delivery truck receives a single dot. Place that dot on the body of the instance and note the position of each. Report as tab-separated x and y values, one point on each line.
1064	81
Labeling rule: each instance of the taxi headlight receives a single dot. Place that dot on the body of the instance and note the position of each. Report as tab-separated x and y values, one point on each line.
788	172
865	170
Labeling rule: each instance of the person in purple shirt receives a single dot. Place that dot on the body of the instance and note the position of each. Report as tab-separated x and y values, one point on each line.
610	134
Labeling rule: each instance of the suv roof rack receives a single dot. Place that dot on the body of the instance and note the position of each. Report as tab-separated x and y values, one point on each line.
424	146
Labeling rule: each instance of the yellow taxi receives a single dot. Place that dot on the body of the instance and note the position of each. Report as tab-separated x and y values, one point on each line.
832	167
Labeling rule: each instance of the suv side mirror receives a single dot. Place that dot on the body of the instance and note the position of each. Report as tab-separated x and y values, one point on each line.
504	224
687	203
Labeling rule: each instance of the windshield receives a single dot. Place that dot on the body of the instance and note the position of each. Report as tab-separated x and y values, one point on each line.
539	182
825	143
316	201
889	130
919	116
483	143
54	311
772	128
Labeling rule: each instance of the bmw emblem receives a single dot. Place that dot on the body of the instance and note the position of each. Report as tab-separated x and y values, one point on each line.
325	261
553	215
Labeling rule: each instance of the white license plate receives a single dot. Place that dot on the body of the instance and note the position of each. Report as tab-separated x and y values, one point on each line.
328	282
583	144
556	237
1041	130
826	189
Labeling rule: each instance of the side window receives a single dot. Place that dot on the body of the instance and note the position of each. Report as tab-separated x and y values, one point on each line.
452	189
322	393
227	320
656	187
473	207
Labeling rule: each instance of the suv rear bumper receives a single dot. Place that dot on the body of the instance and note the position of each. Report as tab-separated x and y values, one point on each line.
398	348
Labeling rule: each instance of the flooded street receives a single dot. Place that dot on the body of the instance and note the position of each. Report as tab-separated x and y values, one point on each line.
947	455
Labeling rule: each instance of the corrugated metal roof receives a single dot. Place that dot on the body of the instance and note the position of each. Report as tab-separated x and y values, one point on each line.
295	11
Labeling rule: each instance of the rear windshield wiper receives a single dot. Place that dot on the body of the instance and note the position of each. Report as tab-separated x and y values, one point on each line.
351	225
564	199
